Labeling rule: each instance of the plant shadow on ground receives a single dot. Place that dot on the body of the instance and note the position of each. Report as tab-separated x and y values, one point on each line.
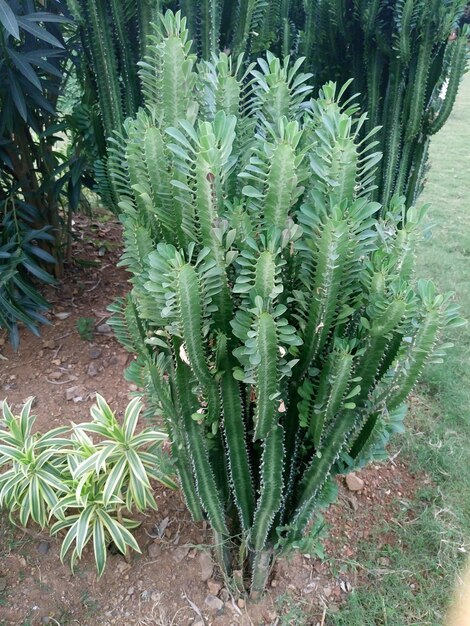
416	586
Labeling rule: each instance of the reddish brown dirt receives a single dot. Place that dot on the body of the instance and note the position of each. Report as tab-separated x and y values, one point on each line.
163	585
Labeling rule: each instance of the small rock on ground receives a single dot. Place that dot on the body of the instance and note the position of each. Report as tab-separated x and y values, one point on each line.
71	393
214	603
119	359
92	370
154	550
214	587
207	567
180	553
104	329
43	547
95	352
62	315
122	566
354	483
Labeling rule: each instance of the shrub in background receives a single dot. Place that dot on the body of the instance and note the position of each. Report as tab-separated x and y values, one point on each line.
20	259
36	178
86	486
407	59
276	320
400	55
113	36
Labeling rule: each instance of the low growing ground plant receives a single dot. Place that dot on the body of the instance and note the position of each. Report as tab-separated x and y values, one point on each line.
63	479
276	320
86	328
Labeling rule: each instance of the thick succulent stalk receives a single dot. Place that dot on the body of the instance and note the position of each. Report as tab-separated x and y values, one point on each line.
179	446
235	436
204	476
262	565
458	62
122	22
332	251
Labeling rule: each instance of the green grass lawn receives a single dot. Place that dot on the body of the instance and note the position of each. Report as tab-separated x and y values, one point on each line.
415	588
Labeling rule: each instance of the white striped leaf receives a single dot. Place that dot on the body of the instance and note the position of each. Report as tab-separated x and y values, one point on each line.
83	528
36	502
87	465
106	415
113	529
114	480
63	523
99	545
26	421
91	427
48	495
12	453
69	539
52	480
65	503
131	417
103	456
136	467
138	494
149	436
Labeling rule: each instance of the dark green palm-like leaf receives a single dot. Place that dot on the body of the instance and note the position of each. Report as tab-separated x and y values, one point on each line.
8	19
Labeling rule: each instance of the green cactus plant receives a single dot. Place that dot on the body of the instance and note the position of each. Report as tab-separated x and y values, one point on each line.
113	36
276	320
406	59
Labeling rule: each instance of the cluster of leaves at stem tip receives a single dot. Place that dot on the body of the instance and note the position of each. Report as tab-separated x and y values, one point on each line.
65	480
274	312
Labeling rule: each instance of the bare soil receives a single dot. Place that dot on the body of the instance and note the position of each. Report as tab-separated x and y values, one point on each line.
166	584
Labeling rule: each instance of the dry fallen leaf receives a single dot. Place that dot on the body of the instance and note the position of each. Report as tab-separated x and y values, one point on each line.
62	315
